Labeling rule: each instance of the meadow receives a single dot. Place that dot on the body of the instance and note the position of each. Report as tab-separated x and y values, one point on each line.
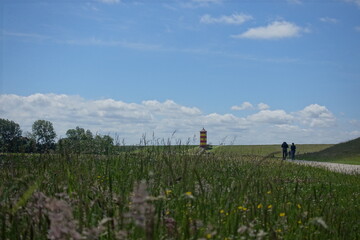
174	192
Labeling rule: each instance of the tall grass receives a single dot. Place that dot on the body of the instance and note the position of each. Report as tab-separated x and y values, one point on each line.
173	192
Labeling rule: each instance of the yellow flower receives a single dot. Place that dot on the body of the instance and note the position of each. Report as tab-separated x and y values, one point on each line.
167	212
240	207
259	206
208	236
299	222
244	209
189	195
167	192
222	211
282	214
278	230
299	206
268	192
269	206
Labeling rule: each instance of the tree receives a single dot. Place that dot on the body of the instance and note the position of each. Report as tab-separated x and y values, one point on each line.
10	133
103	144
78	141
44	134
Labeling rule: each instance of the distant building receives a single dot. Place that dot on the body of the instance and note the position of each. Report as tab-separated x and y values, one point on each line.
203	138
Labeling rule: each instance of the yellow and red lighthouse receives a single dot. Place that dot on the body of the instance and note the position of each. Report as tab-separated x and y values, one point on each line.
203	138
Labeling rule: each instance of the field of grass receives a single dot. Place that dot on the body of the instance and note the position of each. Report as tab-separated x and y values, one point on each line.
347	153
174	193
264	150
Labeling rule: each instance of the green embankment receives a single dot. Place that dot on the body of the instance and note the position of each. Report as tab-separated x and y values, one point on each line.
264	150
346	152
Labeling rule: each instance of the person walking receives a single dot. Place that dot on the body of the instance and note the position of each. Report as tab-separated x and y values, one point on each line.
284	147
293	150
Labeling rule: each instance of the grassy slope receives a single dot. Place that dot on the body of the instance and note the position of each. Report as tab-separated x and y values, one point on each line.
347	152
263	150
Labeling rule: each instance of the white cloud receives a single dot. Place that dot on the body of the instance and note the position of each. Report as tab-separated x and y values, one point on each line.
263	106
275	30
313	124
243	106
271	117
329	20
248	105
236	19
315	115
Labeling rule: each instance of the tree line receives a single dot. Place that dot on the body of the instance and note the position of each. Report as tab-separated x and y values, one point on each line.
42	139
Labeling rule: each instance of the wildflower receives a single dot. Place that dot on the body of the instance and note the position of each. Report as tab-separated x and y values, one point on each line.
244	209
167	212
282	214
222	211
259	205
208	236
62	223
278	230
170	224
141	211
240	207
95	232
319	221
242	229
268	192
261	234
269	206
168	192
299	206
189	195
299	222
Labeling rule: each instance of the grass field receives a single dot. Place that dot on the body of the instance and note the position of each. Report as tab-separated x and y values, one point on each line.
174	193
264	150
346	152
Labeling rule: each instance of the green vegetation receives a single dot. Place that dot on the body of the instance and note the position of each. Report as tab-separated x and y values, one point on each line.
264	150
173	192
42	140
347	153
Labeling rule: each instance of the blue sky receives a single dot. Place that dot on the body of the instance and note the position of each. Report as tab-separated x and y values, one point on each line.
256	72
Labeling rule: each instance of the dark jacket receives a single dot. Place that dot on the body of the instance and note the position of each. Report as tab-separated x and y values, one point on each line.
284	146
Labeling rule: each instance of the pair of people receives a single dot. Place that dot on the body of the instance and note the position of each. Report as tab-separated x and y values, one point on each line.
285	146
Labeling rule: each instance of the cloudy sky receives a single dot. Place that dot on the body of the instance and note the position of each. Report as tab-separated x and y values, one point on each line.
250	72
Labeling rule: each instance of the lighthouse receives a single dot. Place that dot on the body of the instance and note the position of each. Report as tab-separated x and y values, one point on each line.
203	138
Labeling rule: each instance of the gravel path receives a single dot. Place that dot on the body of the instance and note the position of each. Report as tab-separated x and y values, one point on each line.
336	167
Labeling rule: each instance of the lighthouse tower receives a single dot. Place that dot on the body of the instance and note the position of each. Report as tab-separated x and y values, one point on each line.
203	138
